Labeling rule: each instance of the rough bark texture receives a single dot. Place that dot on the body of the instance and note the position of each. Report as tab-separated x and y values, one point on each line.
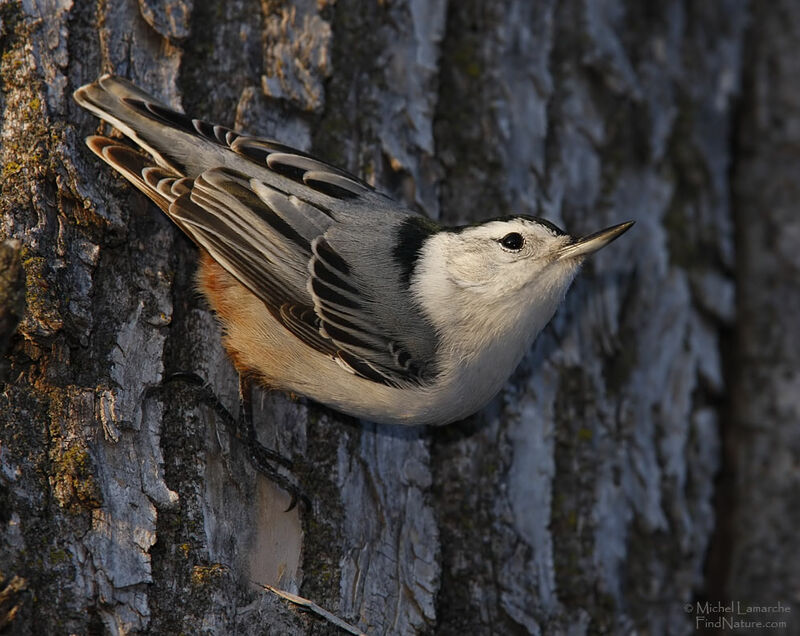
580	501
762	441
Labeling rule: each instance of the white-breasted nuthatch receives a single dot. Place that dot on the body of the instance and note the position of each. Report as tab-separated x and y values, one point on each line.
329	289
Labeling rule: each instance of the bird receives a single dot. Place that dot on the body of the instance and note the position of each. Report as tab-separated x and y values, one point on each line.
327	288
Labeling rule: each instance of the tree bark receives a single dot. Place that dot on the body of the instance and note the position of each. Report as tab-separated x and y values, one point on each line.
762	440
581	500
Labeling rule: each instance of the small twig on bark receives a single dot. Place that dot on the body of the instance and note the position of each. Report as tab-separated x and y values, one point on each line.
311	605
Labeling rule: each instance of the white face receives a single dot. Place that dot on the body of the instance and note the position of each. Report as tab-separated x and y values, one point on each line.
489	289
505	256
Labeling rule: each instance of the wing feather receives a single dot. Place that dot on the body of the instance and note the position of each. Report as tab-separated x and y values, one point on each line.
308	287
268	213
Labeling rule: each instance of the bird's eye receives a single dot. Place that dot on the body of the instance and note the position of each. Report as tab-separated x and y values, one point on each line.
512	241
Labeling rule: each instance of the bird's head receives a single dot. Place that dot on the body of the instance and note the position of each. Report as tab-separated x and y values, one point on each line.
501	275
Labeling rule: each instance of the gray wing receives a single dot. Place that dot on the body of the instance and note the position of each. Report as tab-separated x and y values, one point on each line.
190	147
288	251
282	223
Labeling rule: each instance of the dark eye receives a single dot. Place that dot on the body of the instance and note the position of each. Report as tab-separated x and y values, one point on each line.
512	241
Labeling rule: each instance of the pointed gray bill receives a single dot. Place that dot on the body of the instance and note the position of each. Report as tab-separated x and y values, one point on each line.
591	243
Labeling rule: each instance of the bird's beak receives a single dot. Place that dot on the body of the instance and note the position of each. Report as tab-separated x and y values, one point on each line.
591	243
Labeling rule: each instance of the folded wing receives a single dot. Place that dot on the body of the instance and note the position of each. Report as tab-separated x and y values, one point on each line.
275	244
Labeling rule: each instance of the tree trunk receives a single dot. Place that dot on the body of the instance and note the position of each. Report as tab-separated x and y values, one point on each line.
759	535
581	500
